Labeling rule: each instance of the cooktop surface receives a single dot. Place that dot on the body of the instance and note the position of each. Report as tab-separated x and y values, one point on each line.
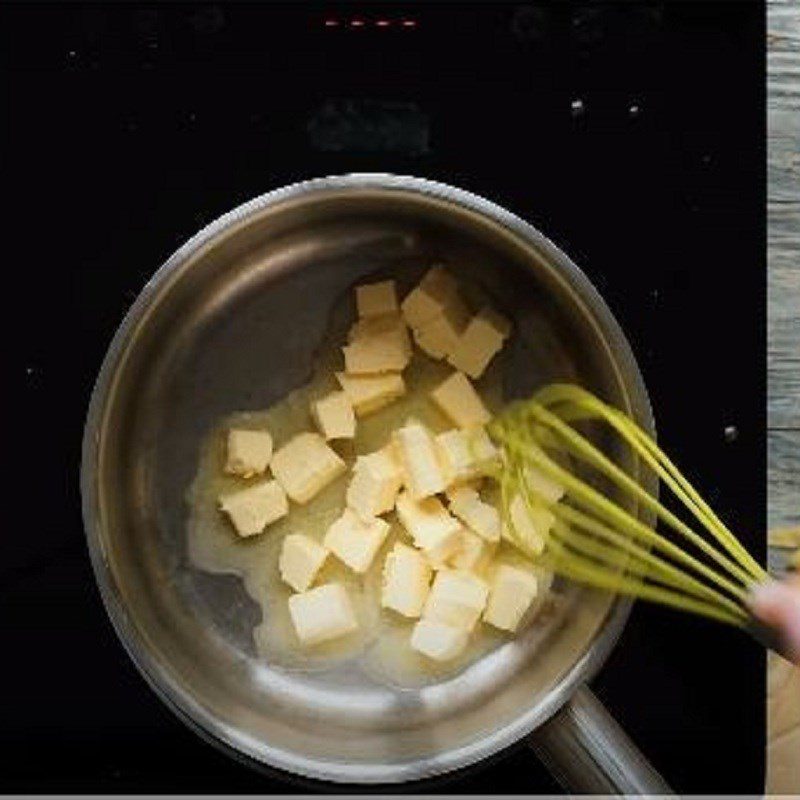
632	135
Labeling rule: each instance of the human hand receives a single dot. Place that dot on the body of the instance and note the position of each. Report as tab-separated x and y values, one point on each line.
777	604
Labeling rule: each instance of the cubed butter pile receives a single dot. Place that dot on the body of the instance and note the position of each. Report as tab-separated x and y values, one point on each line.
439	571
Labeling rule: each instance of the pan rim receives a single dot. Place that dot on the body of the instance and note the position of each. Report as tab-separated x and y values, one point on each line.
159	676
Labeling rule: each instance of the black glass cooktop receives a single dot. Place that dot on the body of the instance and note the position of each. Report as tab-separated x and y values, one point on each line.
633	135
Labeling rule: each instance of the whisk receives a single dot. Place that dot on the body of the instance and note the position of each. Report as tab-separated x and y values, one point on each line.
592	531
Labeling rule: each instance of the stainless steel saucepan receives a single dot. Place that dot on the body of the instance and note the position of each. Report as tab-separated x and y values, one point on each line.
230	323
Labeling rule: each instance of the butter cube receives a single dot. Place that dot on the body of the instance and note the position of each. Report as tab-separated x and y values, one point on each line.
305	465
438	641
355	541
377	479
457	398
406	580
439	336
381	352
436	338
481	340
470	552
435	292
300	561
334	416
249	452
375	299
465	453
530	524
368	393
497	321
456	598
252	509
547	489
416	450
455	490
455	457
367	327
480	517
481	446
321	614
428	522
510	595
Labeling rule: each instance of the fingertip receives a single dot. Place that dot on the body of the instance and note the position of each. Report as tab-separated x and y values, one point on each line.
764	597
778	605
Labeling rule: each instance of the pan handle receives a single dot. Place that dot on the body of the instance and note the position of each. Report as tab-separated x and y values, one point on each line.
588	753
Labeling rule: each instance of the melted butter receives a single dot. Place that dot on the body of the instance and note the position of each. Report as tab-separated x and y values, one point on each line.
381	644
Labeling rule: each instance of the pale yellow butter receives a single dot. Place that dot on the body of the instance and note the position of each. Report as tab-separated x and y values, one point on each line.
457	398
438	641
377	479
547	489
465	454
406	580
321	614
377	353
334	416
253	508
531	523
416	450
305	465
300	560
470	553
376	299
436	291
456	598
248	452
439	336
511	593
483	518
369	393
354	541
434	530
481	340
369	327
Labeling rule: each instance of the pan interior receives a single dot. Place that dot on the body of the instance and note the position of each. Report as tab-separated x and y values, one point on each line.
234	327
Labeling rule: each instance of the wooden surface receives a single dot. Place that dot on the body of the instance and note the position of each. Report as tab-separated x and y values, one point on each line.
783	364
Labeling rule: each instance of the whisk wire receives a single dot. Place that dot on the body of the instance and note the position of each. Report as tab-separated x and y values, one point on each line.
582	447
615	515
658	594
651	565
594	539
684	490
658	460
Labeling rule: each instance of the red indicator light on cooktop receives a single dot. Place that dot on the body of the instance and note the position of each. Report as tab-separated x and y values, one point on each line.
358	22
